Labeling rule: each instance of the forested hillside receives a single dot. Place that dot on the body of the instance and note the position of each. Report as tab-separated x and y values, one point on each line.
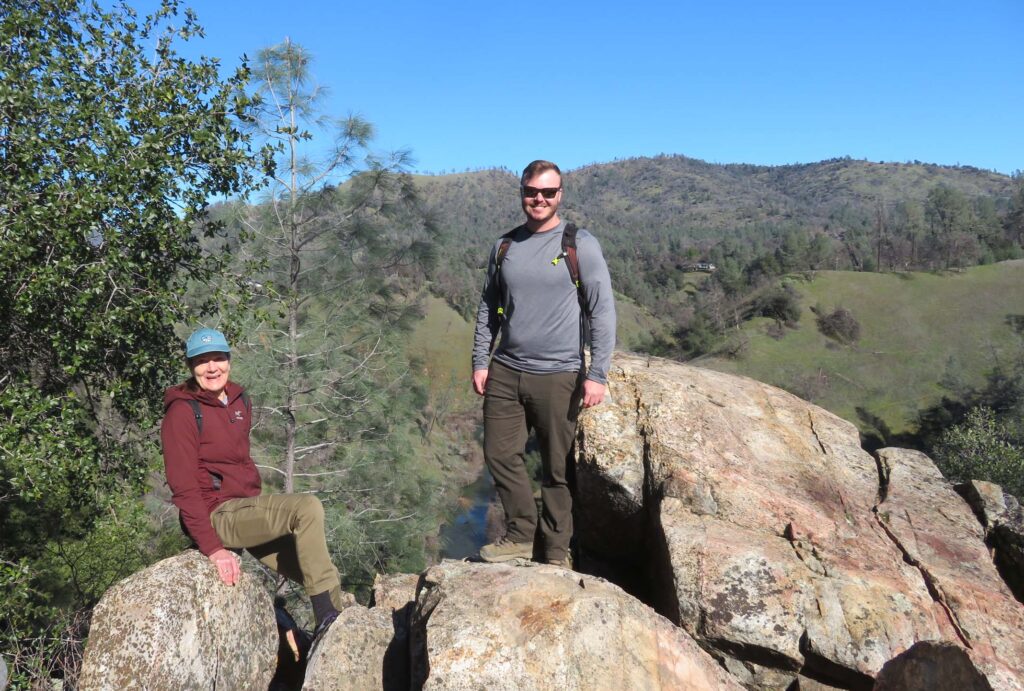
655	216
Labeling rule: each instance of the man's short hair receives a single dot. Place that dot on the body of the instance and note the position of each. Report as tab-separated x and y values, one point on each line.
536	168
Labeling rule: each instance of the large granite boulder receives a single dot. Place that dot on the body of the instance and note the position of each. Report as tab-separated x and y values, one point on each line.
763	529
496	626
174	625
368	648
357	652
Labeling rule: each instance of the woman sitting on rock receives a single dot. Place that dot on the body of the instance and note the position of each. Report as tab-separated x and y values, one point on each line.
216	487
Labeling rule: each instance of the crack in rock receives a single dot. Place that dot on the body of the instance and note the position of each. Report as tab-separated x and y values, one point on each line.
929	580
650	492
821	444
884	473
807	556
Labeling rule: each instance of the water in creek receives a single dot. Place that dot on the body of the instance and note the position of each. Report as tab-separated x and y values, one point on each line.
466	532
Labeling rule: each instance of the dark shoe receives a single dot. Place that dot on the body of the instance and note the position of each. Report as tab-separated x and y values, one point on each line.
321	632
506	550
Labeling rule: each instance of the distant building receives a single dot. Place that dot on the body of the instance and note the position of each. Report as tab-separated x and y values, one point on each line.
707	267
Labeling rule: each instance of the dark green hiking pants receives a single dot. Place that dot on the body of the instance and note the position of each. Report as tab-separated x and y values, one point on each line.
514	402
285	532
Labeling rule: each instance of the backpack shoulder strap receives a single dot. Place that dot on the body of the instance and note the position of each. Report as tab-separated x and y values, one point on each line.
499	257
572	262
569	252
197	411
506	241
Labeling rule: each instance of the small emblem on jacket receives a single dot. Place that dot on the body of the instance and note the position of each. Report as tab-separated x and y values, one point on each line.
236	416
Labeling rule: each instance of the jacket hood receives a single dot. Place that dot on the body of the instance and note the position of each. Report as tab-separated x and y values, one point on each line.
182	392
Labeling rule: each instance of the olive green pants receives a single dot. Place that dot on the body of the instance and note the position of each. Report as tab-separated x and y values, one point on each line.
286	533
514	402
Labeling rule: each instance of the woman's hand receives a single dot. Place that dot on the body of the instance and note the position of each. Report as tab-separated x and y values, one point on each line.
227	565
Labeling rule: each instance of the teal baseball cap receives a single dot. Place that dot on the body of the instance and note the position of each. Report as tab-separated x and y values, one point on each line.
206	341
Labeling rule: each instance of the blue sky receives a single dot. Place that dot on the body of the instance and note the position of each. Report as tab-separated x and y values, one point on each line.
477	85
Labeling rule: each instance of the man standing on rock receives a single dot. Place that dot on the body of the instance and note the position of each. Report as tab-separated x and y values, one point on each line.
547	291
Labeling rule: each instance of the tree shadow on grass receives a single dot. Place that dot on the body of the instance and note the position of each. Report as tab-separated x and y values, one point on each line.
875	433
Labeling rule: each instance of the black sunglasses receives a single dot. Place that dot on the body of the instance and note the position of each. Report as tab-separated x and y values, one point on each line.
546	192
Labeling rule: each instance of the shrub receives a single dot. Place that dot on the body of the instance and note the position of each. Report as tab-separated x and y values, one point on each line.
981	448
781	304
839	325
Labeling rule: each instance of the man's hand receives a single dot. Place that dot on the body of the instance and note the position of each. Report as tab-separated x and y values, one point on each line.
593	393
227	565
480	381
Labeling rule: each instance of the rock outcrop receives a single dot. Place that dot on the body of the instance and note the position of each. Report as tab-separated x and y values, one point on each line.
496	626
174	625
939	535
771	551
1003	519
768	534
396	591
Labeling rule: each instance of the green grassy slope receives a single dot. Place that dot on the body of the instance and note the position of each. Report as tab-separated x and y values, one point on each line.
635	324
916	329
440	346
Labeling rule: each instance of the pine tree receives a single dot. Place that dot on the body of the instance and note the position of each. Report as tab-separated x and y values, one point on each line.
341	237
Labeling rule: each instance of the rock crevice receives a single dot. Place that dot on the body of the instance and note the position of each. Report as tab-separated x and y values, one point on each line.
927	578
883	479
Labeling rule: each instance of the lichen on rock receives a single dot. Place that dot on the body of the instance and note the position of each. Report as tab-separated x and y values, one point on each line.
175	625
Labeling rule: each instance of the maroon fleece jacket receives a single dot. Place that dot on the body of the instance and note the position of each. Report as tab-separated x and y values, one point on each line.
205	470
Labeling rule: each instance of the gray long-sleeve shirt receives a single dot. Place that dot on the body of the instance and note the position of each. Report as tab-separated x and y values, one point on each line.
541	330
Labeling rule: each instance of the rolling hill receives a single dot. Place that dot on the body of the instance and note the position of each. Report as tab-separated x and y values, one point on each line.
653	214
684	195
